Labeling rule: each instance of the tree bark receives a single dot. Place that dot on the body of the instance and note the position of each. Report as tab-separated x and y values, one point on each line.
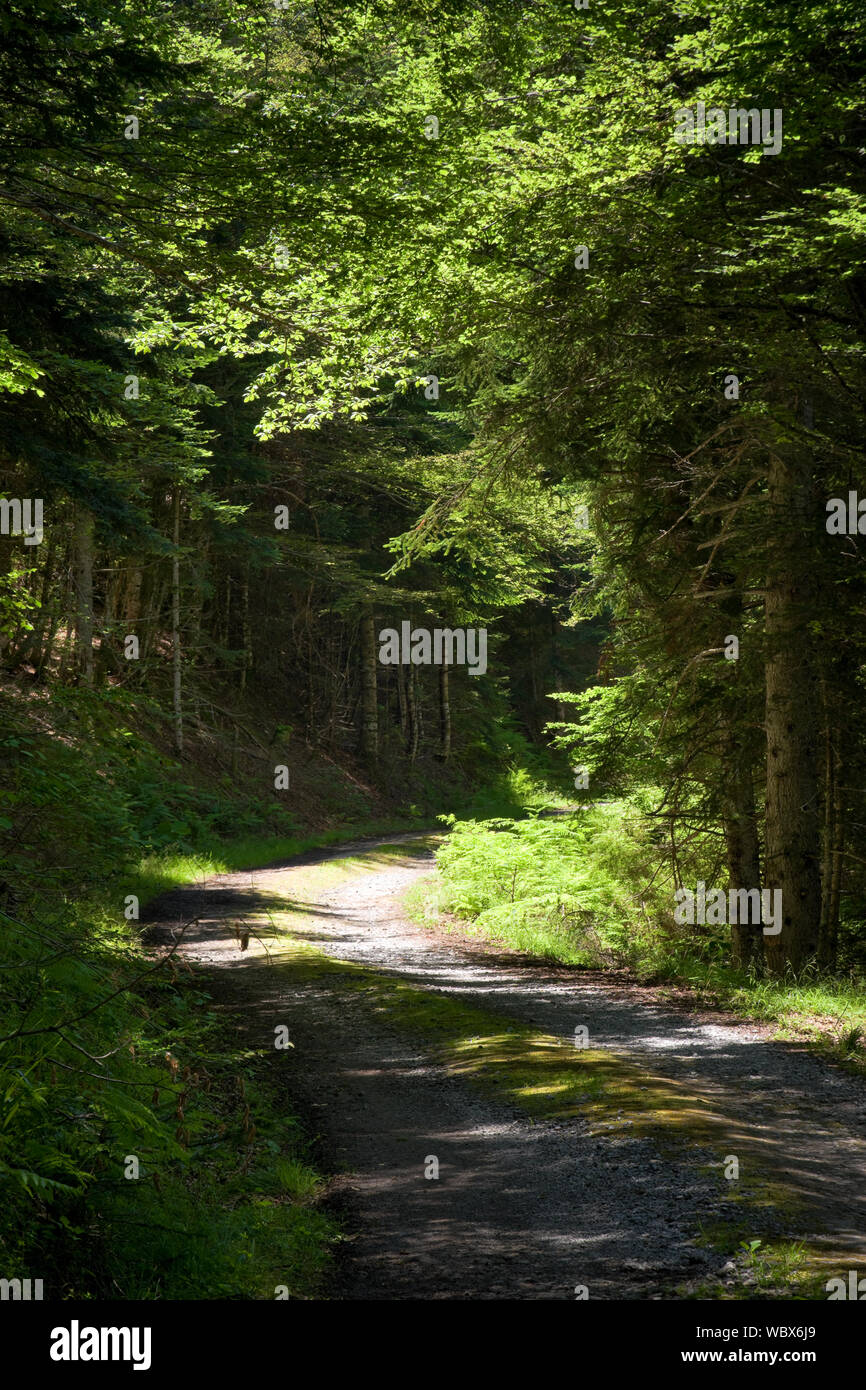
444	712
743	854
132	595
414	713
245	628
833	828
84	594
792	831
175	627
404	708
369	690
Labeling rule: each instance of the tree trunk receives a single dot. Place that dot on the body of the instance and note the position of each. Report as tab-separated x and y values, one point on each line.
833	829
414	712
175	626
743	855
836	872
132	595
444	712
404	707
792	832
245	628
84	594
369	690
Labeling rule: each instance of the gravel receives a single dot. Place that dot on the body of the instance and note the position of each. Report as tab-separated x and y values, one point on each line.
519	1210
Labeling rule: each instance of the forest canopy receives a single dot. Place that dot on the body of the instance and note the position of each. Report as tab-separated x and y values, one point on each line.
544	320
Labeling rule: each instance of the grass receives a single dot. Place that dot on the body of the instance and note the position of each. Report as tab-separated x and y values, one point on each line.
158	873
240	1219
579	890
762	1268
828	1012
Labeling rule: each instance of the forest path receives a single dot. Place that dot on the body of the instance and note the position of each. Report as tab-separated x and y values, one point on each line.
523	1207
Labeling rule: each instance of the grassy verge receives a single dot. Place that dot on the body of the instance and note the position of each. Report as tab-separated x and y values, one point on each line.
157	873
578	890
234	1214
143	1154
827	1012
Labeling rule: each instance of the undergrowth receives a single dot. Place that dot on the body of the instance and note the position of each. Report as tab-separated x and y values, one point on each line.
143	1154
592	889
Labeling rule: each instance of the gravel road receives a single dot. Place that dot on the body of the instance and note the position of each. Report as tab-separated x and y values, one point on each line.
520	1209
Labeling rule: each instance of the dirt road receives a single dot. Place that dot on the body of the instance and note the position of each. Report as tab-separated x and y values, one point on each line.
523	1207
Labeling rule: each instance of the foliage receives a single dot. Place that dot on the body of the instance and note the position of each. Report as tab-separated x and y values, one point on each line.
580	888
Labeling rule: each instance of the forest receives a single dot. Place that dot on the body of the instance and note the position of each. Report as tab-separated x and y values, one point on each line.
431	438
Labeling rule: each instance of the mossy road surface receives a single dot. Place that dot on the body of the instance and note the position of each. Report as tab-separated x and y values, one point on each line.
477	1153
